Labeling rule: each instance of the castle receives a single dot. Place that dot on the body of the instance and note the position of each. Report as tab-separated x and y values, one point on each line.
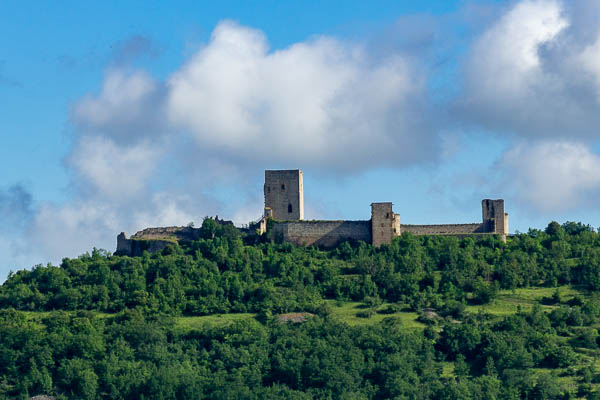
283	217
284	204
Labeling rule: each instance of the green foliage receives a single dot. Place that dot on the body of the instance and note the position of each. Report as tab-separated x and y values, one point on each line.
199	320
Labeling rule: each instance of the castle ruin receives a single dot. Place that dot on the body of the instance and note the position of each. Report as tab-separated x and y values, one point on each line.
284	217
284	190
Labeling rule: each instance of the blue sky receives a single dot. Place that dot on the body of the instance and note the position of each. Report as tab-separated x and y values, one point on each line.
122	115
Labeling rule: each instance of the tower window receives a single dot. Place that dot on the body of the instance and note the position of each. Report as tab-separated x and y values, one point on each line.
290	208
268	189
283	186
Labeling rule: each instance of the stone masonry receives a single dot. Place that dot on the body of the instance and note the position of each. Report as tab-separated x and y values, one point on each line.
384	223
284	194
321	233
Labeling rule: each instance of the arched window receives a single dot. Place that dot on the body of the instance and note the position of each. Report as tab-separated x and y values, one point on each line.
290	208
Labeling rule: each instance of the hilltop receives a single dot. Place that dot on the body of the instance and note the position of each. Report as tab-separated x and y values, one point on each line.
227	314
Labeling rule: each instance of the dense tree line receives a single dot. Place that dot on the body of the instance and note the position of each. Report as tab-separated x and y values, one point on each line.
134	356
54	341
230	272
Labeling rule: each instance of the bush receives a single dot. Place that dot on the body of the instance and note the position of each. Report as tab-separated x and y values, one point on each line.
390	309
366	313
453	308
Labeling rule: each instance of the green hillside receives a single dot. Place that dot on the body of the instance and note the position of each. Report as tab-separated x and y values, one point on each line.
423	318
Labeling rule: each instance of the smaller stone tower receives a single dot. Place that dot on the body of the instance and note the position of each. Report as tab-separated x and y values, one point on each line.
284	195
494	218
384	224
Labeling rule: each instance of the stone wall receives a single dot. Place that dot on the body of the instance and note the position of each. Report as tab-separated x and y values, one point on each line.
156	239
321	233
446	229
169	232
284	194
135	247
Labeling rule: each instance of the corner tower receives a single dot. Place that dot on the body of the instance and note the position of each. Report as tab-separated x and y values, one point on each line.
284	194
495	220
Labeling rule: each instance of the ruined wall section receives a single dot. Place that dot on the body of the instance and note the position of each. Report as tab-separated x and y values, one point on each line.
321	233
284	194
156	239
444	229
123	244
135	247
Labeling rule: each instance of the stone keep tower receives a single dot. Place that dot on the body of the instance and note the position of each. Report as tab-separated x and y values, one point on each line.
384	224
494	218
284	195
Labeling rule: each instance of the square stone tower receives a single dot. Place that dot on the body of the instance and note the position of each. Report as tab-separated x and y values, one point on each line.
494	218
284	194
384	224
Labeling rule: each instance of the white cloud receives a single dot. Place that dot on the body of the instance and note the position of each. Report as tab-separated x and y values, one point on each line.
129	106
504	72
168	209
320	102
520	76
506	59
113	171
552	175
590	62
70	230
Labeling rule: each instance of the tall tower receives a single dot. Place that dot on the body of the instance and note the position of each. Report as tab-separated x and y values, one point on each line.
284	195
384	224
494	218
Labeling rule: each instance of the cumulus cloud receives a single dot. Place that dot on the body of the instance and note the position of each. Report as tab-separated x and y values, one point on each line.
111	171
552	175
69	230
590	61
58	231
520	78
170	209
321	102
128	107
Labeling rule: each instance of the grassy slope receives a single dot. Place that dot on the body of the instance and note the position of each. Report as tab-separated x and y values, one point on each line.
347	312
506	303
